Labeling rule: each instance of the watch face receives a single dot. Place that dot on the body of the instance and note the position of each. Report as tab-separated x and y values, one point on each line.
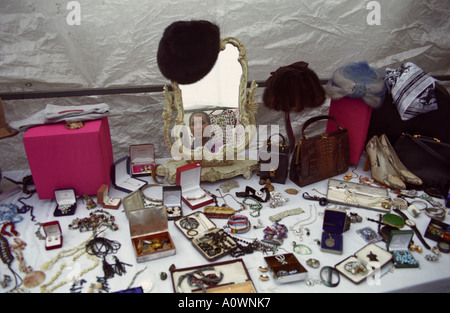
410	223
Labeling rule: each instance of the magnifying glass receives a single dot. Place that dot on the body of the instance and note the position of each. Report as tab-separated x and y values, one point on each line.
330	276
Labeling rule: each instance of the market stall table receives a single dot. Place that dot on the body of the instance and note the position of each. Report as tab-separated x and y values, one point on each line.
63	266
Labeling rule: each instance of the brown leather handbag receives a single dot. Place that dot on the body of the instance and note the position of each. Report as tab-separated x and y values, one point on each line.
321	156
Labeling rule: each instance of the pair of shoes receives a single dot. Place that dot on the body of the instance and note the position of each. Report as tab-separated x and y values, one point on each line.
386	167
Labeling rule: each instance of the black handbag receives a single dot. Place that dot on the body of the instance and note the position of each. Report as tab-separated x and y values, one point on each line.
427	158
275	162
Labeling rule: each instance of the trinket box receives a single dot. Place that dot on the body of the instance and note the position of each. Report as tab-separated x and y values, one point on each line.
188	177
172	201
105	200
53	235
149	229
121	178
366	262
286	268
66	202
211	242
61	157
398	244
438	231
358	195
222	277
142	159
334	225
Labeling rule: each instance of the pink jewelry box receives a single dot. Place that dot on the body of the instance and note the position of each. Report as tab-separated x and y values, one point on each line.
188	177
60	157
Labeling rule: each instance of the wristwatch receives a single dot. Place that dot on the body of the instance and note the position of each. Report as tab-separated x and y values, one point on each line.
413	226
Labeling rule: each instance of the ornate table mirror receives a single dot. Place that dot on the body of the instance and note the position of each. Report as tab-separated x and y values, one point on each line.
212	121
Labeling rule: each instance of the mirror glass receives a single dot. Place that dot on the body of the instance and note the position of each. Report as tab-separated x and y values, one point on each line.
212	104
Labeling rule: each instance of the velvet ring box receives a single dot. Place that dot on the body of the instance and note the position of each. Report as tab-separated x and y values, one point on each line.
53	235
334	225
188	177
286	268
149	229
105	200
142	159
368	261
398	244
66	202
121	178
172	201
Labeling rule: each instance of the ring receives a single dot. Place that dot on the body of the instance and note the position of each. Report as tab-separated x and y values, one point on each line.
263	277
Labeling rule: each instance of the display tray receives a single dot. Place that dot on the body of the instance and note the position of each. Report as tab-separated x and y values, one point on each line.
212	243
358	195
366	262
224	277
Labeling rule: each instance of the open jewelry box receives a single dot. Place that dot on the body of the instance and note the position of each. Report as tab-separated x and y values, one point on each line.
365	262
121	178
142	159
398	244
188	177
358	195
172	201
105	200
335	223
53	235
149	229
66	202
286	268
212	242
222	277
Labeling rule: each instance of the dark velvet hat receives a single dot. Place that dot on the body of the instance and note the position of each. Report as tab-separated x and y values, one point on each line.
188	50
293	88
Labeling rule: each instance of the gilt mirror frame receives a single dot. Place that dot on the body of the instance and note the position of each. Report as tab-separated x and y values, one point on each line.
247	117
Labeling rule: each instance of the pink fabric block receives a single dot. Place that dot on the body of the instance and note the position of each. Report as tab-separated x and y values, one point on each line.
60	158
353	114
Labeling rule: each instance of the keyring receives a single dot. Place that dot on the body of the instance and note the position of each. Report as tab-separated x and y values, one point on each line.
328	280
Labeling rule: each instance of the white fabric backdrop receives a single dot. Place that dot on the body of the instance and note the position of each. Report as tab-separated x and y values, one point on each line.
116	44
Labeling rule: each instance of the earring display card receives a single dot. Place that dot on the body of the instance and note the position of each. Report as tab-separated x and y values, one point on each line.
366	262
358	195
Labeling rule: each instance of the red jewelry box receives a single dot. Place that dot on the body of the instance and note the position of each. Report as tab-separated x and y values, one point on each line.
53	235
60	157
105	200
188	177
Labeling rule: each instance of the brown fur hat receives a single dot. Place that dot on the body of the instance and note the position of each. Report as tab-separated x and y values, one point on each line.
293	88
188	50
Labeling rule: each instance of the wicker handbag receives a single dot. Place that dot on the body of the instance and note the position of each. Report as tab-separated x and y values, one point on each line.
321	156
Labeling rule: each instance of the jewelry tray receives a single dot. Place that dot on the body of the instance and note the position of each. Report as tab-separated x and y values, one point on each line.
380	257
236	278
358	195
199	236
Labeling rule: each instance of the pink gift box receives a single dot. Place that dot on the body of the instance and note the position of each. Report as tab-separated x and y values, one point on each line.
354	115
61	158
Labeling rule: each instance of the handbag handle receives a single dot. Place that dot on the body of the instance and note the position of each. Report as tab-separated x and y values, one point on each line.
318	118
281	144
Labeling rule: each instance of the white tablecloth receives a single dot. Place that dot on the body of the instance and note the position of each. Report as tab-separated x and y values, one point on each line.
429	277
